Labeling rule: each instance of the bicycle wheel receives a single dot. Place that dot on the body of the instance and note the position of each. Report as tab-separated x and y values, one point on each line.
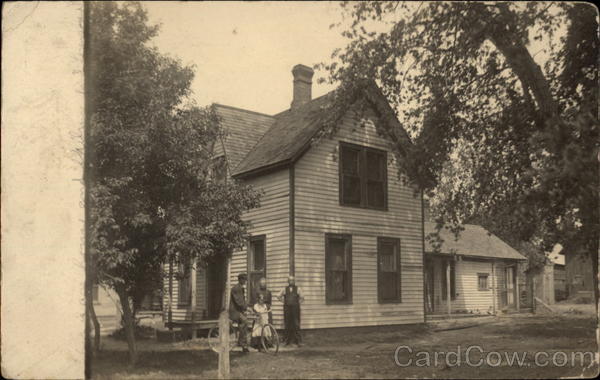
269	339
214	340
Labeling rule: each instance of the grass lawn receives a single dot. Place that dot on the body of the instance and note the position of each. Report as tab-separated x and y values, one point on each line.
370	352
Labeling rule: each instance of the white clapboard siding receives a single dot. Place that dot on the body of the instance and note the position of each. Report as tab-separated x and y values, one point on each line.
272	220
467	287
182	313
317	211
469	298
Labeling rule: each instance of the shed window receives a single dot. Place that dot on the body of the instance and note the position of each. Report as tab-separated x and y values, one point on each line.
338	268
388	274
257	264
445	281
363	176
482	281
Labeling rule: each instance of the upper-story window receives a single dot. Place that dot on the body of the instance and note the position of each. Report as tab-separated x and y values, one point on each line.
363	176
220	169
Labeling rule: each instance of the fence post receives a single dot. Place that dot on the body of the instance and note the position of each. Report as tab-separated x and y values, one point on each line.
223	368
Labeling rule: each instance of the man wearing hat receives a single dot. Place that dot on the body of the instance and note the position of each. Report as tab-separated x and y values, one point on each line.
237	307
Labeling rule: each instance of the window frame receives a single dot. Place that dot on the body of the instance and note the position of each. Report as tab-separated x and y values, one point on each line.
487	283
250	262
219	163
96	293
348	257
396	241
187	301
362	175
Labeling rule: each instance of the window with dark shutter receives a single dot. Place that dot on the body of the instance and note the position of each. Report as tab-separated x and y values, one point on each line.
184	294
219	169
257	263
363	176
338	268
388	271
445	281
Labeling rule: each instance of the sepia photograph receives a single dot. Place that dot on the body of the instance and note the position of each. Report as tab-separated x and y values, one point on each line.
305	189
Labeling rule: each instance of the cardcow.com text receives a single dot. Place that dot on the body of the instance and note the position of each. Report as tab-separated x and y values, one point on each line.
476	356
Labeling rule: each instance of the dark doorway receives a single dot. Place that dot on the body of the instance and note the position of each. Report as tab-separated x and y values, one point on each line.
216	273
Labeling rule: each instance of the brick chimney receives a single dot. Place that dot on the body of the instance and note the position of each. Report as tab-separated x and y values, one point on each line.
302	85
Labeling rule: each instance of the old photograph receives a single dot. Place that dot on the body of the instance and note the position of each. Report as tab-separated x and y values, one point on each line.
375	189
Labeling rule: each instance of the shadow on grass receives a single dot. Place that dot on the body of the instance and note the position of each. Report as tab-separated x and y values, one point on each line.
112	363
539	328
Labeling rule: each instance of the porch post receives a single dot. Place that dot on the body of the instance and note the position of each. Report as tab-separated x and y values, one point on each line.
517	293
494	298
170	306
448	290
193	300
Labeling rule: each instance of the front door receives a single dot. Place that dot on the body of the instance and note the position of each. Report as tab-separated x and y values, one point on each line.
216	273
510	286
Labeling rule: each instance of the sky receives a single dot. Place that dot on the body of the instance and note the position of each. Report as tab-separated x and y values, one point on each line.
244	52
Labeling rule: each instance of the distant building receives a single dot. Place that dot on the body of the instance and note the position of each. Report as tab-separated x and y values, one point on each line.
106	307
476	273
579	276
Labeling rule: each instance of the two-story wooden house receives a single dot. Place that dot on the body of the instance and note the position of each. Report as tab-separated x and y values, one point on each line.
335	213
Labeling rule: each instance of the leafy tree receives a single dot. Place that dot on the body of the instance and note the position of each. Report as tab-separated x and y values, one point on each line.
153	198
498	140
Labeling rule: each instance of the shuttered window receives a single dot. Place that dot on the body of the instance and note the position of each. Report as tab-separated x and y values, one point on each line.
338	268
363	176
257	262
220	169
184	294
388	271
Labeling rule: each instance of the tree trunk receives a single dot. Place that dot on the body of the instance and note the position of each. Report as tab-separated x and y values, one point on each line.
520	60
94	319
129	325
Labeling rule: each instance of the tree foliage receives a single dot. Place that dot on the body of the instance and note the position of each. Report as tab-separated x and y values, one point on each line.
498	139
153	198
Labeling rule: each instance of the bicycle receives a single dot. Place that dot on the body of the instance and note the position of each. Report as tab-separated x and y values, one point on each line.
269	338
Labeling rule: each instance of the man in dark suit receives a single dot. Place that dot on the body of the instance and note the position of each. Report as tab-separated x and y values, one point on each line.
266	293
237	308
292	297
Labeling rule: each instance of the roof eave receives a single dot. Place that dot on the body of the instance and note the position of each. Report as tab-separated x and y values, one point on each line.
261	170
476	256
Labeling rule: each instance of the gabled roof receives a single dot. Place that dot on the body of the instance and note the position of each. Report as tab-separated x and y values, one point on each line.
288	137
292	131
243	129
474	241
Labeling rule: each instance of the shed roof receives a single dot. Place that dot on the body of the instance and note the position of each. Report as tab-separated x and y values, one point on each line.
475	241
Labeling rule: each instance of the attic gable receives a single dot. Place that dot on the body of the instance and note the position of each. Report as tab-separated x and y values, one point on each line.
291	133
242	129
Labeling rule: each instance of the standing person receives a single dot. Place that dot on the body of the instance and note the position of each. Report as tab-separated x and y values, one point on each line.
266	293
291	296
237	308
